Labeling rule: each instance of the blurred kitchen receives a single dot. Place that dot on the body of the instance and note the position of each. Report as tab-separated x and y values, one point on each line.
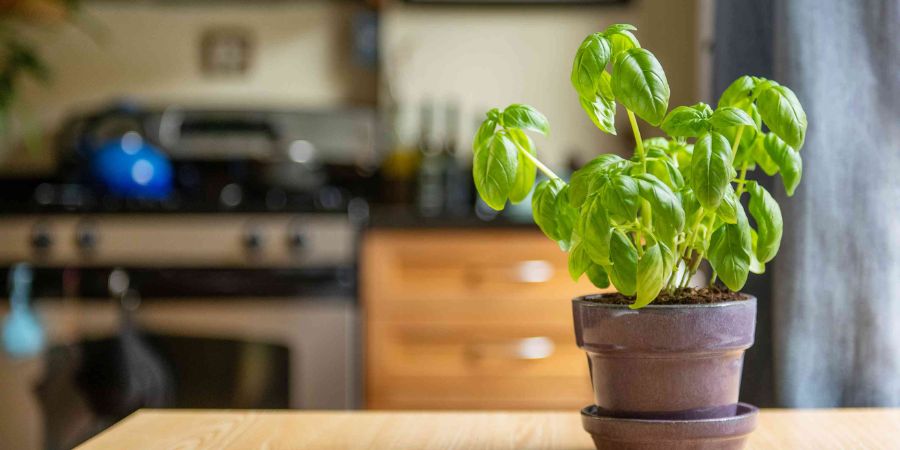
268	204
217	204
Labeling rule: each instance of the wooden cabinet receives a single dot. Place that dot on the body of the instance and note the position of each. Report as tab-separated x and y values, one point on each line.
470	319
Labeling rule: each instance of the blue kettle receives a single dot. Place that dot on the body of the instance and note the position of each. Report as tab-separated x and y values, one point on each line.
130	167
23	336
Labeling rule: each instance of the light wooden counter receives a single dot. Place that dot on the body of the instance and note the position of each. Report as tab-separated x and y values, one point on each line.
190	430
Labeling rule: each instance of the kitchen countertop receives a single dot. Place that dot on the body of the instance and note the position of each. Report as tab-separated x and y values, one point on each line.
194	429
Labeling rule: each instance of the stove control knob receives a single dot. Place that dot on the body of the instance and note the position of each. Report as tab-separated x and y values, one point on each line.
296	240
253	240
41	238
86	237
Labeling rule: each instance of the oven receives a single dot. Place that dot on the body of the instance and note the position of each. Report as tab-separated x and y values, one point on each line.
232	311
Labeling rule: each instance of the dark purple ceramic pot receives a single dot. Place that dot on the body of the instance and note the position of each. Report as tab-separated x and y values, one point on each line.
676	362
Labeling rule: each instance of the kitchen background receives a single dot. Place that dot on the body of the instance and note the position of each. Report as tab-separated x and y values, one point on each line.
222	204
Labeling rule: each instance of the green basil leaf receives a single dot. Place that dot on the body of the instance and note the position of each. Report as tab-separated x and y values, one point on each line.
601	111
730	116
589	178
668	214
525	168
729	253
621	41
730	204
656	143
682	154
484	134
767	215
650	276
788	160
494	170
761	157
621	197
665	170
739	93
687	121
589	64
524	117
605	88
639	83
623	271
781	112
597	274
690	205
552	212
619	27
755	265
711	169
578	258
595	230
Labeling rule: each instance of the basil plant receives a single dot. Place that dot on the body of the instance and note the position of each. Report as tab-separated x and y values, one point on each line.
645	224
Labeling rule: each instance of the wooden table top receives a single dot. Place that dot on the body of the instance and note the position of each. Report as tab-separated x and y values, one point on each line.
194	430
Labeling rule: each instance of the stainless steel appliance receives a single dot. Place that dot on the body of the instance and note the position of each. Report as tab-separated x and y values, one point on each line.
246	275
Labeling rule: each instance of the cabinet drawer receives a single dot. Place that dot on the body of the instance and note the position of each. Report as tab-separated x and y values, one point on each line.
466	366
466	275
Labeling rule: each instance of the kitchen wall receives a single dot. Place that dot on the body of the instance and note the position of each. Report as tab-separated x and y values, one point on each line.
151	51
481	57
477	56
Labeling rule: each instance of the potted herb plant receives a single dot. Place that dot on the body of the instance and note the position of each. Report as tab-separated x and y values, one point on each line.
665	358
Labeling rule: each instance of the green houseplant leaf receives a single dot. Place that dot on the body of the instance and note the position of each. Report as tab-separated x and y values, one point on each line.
485	132
782	113
729	116
595	230
739	93
602	112
590	63
727	210
526	172
668	214
730	250
790	166
592	176
621	197
598	276
711	169
494	170
578	258
621	40
767	215
639	83
524	117
623	271
650	276
687	121
552	212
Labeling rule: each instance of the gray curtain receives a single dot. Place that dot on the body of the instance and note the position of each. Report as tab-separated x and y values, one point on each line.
836	281
743	46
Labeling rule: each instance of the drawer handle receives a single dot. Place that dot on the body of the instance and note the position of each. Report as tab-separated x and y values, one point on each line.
534	271
540	347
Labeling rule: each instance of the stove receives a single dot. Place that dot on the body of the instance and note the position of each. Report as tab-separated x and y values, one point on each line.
242	277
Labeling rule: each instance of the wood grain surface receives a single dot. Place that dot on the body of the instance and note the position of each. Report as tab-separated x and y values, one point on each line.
194	430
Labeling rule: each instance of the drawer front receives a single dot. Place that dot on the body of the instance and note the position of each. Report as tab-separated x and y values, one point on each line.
467	276
466	366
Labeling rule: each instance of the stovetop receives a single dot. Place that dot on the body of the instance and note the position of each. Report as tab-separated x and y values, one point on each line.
42	196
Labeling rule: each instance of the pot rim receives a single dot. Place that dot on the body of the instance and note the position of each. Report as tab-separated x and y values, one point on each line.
583	301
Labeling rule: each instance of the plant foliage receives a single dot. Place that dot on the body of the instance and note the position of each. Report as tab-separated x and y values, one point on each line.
646	223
